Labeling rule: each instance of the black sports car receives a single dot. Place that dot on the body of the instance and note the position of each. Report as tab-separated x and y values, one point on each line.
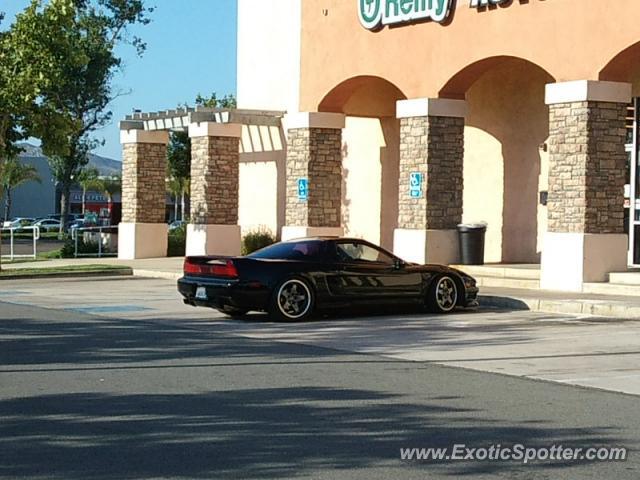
291	280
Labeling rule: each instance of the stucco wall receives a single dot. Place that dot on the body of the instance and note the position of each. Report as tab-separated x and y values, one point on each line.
557	35
370	179
261	194
269	54
362	176
506	126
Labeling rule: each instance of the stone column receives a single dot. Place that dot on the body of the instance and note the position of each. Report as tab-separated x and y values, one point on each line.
585	239
143	230
215	177
431	146
314	155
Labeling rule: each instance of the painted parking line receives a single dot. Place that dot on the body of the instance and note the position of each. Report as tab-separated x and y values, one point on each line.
108	309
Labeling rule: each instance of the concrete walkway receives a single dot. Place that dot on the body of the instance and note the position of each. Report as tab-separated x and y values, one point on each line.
612	306
169	268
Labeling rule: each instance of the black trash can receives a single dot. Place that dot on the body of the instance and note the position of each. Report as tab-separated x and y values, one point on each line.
471	240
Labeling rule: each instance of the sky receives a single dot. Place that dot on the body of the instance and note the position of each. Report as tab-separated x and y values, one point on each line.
191	49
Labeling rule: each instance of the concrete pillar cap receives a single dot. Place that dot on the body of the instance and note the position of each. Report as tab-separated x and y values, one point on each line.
431	107
587	91
214	129
144	136
314	120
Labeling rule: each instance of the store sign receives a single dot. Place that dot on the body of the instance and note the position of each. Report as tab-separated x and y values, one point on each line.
375	14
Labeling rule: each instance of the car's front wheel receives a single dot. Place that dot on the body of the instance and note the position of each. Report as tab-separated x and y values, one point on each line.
443	295
292	301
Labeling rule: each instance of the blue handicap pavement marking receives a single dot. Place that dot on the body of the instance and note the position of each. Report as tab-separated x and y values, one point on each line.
108	308
8	293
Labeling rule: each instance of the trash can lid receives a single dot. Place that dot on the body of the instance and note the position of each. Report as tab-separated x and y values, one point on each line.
465	227
473	225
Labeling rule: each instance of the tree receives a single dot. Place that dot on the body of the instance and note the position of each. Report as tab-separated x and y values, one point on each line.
33	52
228	101
179	167
110	186
174	188
89	179
85	90
179	152
14	173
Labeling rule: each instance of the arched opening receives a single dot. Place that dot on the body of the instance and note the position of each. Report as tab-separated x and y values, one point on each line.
505	166
625	67
371	155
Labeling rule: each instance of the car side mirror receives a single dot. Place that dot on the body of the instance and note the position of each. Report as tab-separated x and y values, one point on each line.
398	264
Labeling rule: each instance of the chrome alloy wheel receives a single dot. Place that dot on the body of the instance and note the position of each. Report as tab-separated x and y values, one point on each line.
446	294
294	299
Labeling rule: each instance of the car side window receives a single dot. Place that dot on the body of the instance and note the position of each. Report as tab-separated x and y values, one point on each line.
360	252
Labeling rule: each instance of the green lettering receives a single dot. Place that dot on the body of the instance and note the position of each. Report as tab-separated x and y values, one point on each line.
396	9
406	6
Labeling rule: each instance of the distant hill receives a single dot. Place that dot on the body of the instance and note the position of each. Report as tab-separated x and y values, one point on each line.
106	166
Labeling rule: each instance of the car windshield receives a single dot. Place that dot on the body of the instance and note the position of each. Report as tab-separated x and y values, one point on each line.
303	250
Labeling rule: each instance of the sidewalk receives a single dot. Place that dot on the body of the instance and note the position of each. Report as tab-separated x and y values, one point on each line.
168	268
614	306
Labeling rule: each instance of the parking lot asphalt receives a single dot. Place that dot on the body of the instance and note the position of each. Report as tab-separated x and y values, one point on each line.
576	350
143	389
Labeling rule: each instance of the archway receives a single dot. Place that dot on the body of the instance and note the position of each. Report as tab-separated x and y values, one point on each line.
625	67
505	165
371	155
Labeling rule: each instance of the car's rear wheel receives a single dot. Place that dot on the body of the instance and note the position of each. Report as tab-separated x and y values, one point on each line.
443	295
293	300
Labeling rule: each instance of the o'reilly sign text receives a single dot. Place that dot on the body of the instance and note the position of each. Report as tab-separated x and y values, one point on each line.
375	14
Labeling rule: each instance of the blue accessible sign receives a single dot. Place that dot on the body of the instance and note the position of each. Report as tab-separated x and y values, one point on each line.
303	189
415	184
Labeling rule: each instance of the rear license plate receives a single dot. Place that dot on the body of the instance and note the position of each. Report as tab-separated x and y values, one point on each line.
201	293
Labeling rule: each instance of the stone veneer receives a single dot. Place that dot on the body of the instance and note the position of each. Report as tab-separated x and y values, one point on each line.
433	146
143	182
214	180
587	165
316	154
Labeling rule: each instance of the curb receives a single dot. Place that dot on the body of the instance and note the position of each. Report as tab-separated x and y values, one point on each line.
156	274
121	272
598	308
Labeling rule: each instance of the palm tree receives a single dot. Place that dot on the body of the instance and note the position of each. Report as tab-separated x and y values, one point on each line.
14	173
175	186
110	186
89	179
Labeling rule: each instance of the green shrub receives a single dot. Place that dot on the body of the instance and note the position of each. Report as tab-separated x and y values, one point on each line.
256	240
177	242
69	247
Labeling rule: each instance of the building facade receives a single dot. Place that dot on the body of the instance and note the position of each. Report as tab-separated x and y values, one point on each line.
517	114
401	119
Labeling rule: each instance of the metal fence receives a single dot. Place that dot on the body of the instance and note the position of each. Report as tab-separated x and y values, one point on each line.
12	241
106	239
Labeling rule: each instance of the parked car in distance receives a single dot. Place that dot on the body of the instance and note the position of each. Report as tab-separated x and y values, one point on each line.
176	224
292	280
70	216
18	222
48	225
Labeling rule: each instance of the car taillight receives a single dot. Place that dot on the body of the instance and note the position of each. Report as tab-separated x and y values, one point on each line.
219	269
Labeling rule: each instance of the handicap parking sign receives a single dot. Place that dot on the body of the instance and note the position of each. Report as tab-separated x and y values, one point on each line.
415	184
303	189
